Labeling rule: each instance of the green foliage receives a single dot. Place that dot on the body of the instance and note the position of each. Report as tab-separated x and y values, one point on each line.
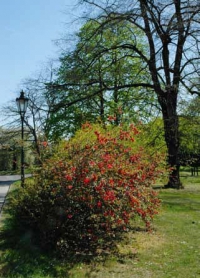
153	135
95	80
189	123
87	193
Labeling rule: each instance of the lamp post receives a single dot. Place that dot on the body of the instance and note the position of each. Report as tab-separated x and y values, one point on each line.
22	103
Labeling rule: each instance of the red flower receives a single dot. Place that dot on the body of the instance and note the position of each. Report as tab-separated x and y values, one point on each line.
119	221
86	181
45	144
86	126
111	118
109	196
94	177
68	177
92	163
111	182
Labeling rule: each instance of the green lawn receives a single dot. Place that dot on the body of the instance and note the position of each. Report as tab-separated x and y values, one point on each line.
171	250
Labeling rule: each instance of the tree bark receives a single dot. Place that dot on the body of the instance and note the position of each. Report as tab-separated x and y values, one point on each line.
168	102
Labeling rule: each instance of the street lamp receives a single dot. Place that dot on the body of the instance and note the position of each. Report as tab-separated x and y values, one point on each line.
22	103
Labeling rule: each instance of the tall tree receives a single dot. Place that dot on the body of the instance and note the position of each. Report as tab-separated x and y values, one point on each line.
95	79
172	31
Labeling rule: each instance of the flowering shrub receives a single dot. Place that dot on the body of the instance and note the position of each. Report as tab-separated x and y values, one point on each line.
88	192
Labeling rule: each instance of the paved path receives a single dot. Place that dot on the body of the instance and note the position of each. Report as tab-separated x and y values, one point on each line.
5	182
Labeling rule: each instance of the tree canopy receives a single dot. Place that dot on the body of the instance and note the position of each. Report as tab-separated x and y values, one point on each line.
94	80
171	31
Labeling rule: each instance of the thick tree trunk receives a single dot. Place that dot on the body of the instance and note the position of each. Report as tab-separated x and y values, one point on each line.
168	103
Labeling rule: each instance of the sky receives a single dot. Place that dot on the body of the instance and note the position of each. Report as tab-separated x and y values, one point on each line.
28	30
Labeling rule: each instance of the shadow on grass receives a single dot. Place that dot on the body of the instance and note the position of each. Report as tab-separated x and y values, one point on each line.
181	201
20	257
177	205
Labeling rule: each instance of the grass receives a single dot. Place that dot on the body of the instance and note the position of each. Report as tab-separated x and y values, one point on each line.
172	249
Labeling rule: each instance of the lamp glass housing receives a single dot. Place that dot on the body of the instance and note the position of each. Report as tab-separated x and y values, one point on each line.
22	103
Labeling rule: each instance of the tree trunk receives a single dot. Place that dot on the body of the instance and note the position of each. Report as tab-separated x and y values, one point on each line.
14	161
168	102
